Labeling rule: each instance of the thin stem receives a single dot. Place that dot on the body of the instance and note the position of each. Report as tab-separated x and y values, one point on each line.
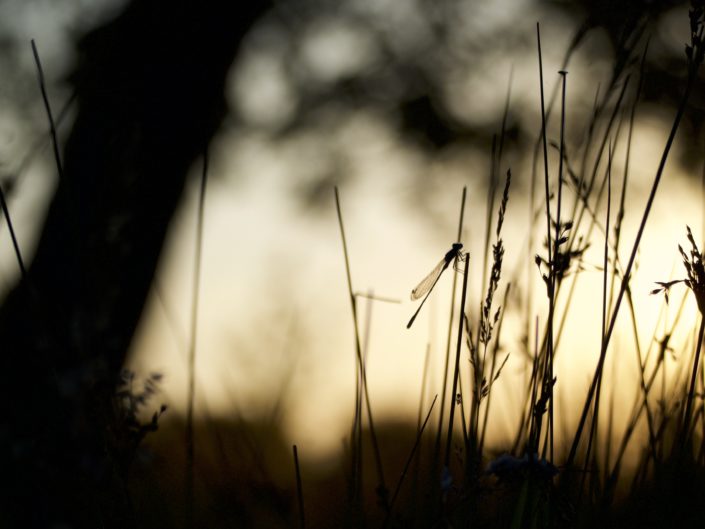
605	271
546	380
424	382
685	430
382	488
545	145
456	372
47	107
191	392
13	236
556	252
299	490
408	463
444	388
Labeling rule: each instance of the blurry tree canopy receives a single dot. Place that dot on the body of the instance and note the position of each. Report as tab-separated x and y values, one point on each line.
436	73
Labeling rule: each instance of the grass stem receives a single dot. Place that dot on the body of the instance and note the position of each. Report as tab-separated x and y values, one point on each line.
404	472
444	387
191	389
47	107
685	429
456	371
381	488
299	490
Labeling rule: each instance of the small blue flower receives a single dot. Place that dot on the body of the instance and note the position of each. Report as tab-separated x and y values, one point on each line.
446	479
507	466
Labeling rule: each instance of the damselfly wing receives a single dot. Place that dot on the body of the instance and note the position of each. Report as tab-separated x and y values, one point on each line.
427	283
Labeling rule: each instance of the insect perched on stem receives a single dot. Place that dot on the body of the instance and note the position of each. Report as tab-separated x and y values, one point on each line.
427	283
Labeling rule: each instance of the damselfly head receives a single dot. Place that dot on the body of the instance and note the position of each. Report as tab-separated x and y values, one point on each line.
453	252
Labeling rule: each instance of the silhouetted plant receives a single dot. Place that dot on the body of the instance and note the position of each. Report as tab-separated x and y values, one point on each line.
128	428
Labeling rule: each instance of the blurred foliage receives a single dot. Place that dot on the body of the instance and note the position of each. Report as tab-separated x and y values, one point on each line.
431	75
430	69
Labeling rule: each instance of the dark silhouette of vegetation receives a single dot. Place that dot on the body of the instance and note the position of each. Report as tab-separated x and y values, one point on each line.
149	96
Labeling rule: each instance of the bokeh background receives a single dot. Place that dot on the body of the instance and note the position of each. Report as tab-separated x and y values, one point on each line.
396	103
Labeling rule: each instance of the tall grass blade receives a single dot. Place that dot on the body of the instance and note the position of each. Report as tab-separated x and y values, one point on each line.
456	371
299	491
191	389
686	424
444	387
47	107
408	463
382	491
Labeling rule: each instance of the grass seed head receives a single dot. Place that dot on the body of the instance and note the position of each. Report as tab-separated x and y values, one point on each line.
695	272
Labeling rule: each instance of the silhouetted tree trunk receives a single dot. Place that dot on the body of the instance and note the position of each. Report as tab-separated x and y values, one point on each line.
150	96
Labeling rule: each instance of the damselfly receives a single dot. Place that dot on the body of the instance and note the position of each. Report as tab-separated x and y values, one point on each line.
427	283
